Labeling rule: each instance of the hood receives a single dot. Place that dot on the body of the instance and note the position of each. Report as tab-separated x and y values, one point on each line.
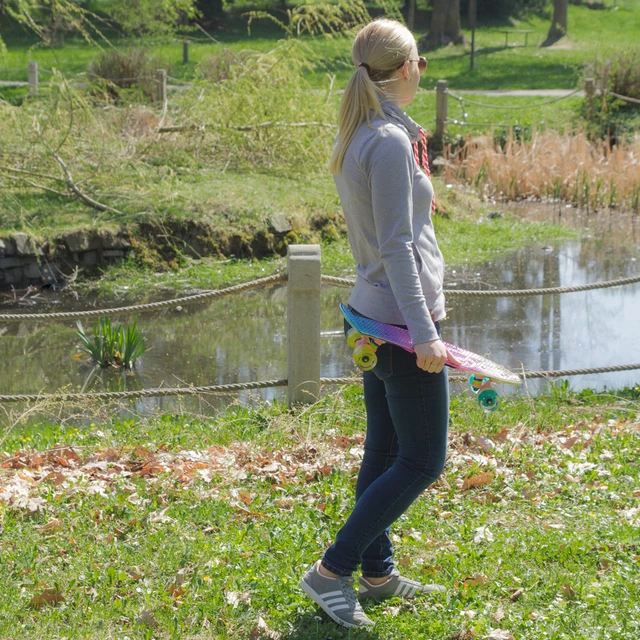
396	115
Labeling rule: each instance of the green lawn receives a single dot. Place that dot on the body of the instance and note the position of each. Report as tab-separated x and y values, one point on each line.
182	526
592	34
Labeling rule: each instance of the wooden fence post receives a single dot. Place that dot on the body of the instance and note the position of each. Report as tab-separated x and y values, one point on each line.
185	51
161	79
303	323
589	90
441	111
32	68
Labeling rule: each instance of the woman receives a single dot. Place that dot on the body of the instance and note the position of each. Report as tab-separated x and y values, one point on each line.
387	198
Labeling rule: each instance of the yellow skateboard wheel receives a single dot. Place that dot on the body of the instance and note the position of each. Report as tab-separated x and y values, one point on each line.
364	356
352	336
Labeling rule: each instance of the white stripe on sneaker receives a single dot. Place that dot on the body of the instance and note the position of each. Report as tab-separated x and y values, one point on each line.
332	601
331	594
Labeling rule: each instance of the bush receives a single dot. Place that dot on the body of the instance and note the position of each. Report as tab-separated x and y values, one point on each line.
613	117
118	73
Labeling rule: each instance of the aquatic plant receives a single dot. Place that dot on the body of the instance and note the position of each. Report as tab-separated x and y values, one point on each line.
118	346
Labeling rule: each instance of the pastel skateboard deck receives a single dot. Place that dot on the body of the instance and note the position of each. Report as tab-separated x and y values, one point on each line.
366	335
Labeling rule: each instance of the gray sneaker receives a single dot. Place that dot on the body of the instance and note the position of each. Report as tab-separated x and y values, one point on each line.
397	585
335	596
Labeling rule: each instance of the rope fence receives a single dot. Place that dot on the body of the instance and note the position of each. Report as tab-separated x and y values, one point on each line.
161	392
149	306
283	277
508	106
303	381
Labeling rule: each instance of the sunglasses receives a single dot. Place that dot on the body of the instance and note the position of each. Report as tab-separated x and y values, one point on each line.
422	64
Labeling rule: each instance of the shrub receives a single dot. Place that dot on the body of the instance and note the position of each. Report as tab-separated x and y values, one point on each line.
116	71
615	118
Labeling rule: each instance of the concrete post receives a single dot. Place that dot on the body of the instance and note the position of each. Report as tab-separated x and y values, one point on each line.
161	78
441	111
303	323
33	77
589	90
185	51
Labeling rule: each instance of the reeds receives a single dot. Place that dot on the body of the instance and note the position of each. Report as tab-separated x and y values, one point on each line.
118	346
554	166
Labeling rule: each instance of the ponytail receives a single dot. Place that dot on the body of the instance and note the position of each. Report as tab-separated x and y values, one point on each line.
377	51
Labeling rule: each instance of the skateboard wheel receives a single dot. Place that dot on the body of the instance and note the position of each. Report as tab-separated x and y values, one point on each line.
352	336
488	399
364	355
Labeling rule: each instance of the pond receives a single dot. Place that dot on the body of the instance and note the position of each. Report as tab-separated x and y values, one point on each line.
242	338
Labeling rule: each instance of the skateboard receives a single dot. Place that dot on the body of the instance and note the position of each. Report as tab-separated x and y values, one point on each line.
366	335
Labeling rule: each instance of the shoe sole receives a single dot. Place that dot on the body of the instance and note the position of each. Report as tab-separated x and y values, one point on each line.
306	587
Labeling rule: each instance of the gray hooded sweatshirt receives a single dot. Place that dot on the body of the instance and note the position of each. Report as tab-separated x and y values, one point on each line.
386	198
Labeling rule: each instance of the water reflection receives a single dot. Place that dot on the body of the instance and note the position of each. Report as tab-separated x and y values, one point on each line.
242	338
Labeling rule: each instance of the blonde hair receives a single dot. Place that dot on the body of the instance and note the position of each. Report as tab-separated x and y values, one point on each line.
383	45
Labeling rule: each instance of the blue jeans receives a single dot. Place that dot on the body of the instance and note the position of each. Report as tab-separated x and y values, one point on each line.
404	452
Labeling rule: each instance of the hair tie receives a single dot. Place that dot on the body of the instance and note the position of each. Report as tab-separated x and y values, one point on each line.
366	66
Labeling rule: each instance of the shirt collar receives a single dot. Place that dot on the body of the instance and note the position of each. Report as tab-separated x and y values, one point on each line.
395	114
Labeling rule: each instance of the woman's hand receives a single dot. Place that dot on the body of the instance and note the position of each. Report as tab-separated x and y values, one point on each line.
432	355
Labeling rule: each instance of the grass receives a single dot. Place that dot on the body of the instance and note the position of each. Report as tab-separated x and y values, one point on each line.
591	34
545	545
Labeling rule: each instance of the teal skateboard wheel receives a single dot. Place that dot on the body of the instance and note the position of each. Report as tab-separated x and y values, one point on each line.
488	399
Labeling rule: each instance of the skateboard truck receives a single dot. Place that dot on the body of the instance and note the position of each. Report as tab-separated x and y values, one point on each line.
488	398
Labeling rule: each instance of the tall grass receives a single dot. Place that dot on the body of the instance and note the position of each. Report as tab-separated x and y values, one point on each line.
551	165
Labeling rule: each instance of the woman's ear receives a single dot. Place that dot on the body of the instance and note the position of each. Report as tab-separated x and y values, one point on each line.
405	71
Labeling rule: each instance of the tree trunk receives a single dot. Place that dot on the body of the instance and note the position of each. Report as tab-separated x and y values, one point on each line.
445	25
212	10
452	32
411	14
435	37
558	24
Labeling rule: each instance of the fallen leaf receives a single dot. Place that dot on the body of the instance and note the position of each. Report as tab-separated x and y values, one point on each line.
516	594
52	525
405	561
475	581
263	630
567	591
50	595
482	534
234	598
499	634
498	615
463	634
146	618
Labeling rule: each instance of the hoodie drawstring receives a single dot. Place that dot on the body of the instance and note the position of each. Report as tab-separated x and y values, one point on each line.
422	159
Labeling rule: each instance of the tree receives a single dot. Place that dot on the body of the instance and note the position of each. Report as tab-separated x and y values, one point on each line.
558	24
50	19
445	25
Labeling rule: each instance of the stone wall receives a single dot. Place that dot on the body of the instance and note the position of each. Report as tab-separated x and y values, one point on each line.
156	244
26	261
